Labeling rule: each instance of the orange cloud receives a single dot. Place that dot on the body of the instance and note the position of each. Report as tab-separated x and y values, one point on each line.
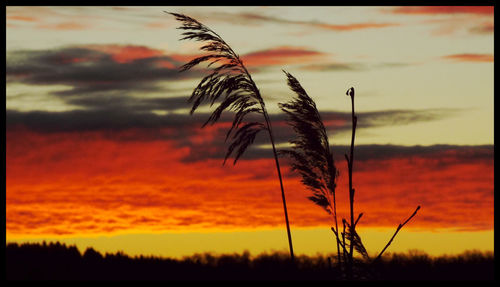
22	18
476	10
355	26
470	57
484	28
92	183
158	25
252	19
65	26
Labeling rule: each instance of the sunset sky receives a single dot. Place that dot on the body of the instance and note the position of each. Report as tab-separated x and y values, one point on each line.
101	150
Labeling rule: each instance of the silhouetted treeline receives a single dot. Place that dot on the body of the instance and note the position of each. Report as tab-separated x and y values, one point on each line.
56	261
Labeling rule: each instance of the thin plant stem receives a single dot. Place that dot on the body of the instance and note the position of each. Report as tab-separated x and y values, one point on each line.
271	138
281	184
350	162
336	229
344	250
343	240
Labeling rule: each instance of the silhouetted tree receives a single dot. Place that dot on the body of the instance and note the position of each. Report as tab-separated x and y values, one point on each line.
48	262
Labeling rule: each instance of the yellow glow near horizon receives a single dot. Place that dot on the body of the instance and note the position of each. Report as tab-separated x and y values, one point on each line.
308	241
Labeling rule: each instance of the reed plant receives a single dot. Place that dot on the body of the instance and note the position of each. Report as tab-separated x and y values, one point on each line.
231	85
311	154
312	158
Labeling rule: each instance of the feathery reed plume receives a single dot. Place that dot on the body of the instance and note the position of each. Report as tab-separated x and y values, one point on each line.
232	81
310	153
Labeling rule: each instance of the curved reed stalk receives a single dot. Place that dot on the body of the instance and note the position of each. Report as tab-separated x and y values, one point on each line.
232	82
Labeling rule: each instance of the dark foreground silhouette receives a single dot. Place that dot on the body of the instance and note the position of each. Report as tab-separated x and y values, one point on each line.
57	261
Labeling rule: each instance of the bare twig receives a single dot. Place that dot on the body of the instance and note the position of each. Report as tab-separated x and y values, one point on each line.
394	235
359	217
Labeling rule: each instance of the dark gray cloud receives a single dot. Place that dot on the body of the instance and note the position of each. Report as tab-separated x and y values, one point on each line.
89	71
130	104
334	67
128	115
402	117
284	133
340	122
384	152
97	120
101	80
442	154
455	153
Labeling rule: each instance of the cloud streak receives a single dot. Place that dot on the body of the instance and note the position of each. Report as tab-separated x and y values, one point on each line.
438	10
258	19
481	58
69	25
280	56
476	20
483	28
354	67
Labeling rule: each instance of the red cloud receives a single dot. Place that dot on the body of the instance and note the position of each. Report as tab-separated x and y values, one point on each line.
127	53
280	55
270	57
477	10
470	57
90	183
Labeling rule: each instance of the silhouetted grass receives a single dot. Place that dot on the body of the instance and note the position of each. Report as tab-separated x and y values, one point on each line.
310	153
57	261
230	82
313	160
